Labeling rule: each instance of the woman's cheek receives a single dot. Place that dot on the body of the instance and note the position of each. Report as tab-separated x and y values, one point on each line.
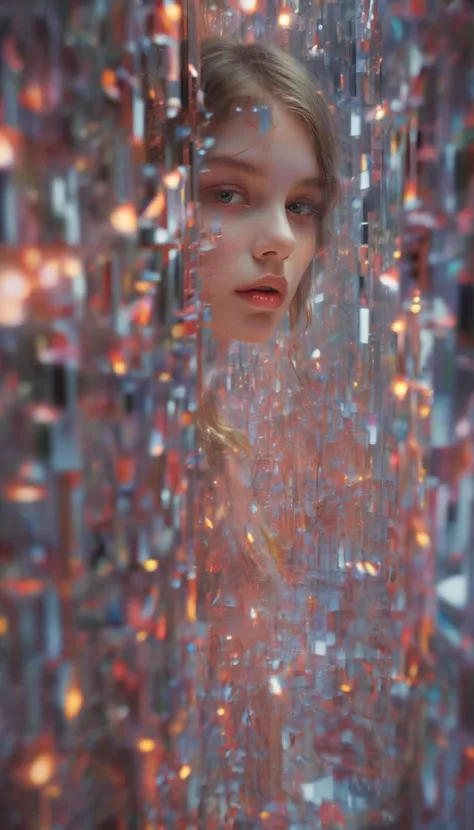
206	279
307	243
211	270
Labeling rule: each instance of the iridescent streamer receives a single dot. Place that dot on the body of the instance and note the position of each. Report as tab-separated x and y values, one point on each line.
428	86
322	439
98	588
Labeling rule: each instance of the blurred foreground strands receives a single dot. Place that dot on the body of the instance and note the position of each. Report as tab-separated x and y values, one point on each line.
97	400
429	100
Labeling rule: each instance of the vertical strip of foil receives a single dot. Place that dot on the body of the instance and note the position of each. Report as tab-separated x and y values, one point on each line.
429	65
97	403
323	454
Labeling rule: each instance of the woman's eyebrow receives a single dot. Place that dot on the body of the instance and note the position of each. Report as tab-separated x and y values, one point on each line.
237	164
317	182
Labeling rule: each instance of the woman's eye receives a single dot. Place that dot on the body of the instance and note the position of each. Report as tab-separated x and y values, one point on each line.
229	197
303	209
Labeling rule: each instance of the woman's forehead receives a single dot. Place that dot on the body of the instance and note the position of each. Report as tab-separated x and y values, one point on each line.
286	143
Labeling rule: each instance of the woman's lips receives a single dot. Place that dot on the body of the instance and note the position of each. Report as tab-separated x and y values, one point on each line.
268	293
270	300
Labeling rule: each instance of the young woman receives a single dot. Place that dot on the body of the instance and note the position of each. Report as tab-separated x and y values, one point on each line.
268	185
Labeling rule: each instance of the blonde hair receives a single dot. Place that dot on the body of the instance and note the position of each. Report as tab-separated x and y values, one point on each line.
235	74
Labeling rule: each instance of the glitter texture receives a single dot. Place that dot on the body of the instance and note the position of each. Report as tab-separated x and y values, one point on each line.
97	397
429	95
302	729
136	690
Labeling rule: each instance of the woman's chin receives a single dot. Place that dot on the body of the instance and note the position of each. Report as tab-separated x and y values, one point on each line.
256	329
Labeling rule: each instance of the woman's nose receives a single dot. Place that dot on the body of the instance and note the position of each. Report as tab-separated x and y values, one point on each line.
275	237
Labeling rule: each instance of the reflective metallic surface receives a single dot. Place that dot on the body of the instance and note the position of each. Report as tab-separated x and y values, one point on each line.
97	397
136	690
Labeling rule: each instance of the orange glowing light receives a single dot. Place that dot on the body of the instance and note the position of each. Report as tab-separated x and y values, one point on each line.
208	523
250	538
185	772
14	291
109	78
3	626
142	286
142	312
146	745
32	257
413	671
425	411
248	6
161	629
191	608
173	12
178	331
41	770
410	193
221	711
155	208
33	97
119	366
72	267
110	84
157	449
346	688
284	20
400	388
422	539
124	219
172	180
7	151
25	493
23	587
398	326
141	636
81	165
150	565
73	702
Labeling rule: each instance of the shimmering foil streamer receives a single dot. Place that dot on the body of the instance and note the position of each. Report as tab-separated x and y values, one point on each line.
428	74
97	398
318	410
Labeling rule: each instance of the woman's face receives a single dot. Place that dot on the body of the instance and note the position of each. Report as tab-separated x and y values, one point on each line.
261	197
